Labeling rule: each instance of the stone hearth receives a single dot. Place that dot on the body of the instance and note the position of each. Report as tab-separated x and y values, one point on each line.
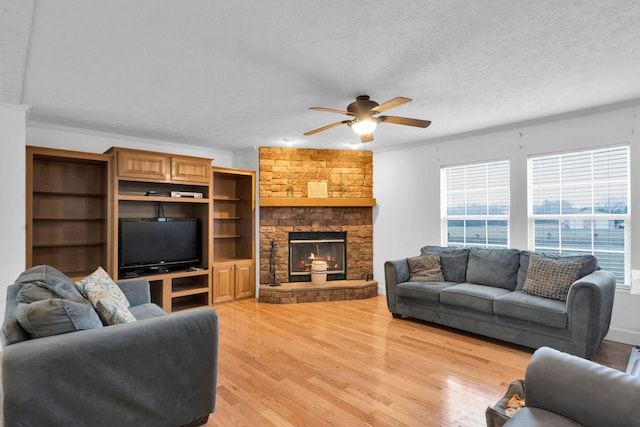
335	290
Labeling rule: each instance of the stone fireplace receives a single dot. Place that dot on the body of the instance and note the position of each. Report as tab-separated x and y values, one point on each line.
277	223
286	208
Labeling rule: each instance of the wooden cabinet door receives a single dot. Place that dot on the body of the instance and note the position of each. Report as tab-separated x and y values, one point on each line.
245	279
132	164
189	169
223	281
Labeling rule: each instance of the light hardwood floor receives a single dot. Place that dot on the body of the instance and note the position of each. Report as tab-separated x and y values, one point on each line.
349	363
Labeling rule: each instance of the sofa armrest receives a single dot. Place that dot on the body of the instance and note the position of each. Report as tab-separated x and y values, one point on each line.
394	272
581	390
589	307
137	291
155	372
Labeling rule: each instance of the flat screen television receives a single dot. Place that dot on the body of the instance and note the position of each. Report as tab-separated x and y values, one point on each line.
148	245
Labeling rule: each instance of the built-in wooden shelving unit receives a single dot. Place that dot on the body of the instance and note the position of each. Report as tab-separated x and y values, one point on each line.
67	210
233	234
75	201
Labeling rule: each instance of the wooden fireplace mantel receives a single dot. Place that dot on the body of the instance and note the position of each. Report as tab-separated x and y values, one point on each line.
346	202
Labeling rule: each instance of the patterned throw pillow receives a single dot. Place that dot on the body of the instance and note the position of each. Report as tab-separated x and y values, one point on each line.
106	297
549	278
425	268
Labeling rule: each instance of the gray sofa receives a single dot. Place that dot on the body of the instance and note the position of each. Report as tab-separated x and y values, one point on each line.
160	370
564	390
482	292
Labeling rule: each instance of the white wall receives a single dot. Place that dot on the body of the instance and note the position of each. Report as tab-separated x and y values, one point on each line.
246	159
407	188
69	138
12	216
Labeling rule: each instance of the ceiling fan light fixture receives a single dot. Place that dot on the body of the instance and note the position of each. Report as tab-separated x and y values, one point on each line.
362	121
364	126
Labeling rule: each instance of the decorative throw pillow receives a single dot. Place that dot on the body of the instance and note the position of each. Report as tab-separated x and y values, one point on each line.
549	278
425	269
589	264
56	316
453	261
106	297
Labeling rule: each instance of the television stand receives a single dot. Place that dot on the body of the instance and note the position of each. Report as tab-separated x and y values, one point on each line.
177	290
142	181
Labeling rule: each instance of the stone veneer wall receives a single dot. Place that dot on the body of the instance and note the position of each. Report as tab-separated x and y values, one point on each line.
301	165
351	170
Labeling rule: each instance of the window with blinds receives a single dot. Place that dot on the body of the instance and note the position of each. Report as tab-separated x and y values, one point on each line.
579	204
475	205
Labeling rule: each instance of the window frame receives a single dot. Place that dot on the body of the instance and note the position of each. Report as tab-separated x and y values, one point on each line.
592	217
445	217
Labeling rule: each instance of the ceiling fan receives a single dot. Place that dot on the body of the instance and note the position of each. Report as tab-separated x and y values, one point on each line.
364	110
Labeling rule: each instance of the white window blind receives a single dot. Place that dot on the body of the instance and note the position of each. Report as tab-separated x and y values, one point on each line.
579	204
475	205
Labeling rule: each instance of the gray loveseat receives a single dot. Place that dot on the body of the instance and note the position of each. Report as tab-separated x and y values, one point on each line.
564	390
482	292
160	370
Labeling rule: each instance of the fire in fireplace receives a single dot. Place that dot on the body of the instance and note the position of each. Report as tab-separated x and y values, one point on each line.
306	247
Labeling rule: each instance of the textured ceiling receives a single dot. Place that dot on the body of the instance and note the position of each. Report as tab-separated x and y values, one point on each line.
239	74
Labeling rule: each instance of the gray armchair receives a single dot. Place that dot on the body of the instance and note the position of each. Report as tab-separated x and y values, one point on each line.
158	371
565	390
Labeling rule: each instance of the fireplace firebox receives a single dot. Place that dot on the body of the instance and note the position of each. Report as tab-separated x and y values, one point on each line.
306	247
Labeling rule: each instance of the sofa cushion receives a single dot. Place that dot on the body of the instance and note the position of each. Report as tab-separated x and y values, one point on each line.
106	297
476	297
425	291
56	316
493	267
425	268
549	278
44	282
531	308
147	311
589	264
452	260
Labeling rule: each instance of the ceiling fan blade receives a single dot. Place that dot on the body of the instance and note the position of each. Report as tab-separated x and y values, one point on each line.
405	121
367	137
331	110
332	125
399	100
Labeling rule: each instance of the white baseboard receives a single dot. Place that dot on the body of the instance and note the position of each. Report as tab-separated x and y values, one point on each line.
626	336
